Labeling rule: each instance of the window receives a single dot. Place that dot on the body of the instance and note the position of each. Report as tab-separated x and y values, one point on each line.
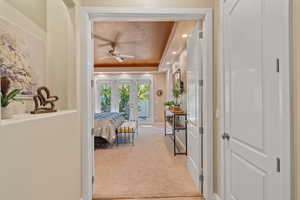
124	98
105	97
143	99
131	95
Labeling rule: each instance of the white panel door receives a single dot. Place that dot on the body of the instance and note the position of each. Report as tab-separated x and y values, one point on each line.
252	112
194	107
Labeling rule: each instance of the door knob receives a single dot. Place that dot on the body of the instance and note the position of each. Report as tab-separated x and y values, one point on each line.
226	136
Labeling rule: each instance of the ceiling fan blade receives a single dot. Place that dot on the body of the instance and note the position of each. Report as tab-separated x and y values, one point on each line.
103	45
129	42
119	59
117	38
107	57
127	56
102	38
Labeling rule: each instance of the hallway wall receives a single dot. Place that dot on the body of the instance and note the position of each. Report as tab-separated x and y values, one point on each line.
33	9
159	82
40	158
59	37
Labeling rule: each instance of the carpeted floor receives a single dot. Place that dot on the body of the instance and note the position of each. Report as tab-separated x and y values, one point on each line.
147	170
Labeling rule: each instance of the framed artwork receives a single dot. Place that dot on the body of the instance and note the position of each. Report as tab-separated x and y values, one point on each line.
22	58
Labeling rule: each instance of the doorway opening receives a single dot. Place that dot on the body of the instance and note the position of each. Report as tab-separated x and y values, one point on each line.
133	97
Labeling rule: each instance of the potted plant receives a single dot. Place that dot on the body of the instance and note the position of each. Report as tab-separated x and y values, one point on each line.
177	92
7	97
169	104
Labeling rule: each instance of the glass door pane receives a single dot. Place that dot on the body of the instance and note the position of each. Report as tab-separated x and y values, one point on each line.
143	100
124	99
105	97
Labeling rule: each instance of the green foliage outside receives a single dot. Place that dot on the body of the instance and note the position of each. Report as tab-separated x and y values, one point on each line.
143	92
124	93
105	98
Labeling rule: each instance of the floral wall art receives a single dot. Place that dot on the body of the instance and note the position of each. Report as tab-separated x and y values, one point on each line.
22	58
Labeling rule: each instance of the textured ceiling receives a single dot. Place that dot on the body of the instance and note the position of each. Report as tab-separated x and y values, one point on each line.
146	41
177	43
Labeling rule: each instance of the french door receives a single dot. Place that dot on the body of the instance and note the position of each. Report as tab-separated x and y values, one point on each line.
133	97
125	97
194	108
252	138
104	97
143	100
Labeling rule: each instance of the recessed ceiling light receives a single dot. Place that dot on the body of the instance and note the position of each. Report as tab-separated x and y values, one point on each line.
185	35
168	63
174	52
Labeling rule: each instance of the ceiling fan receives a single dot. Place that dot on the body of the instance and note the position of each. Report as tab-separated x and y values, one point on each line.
113	52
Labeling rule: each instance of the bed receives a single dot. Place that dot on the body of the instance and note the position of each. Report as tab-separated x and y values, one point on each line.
106	125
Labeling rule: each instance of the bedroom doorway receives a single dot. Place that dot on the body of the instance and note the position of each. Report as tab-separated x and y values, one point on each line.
142	106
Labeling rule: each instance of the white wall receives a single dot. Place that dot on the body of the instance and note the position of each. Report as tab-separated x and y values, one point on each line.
159	82
296	99
10	12
40	159
33	9
59	34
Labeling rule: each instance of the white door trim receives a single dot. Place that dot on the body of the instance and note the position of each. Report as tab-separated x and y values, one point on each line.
149	14
221	113
285	105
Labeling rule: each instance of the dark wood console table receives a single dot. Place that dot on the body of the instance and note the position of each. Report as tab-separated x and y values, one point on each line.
174	120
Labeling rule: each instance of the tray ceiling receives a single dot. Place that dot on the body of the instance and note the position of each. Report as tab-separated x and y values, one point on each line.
145	41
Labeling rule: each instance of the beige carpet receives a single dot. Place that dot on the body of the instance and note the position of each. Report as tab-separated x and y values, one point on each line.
147	170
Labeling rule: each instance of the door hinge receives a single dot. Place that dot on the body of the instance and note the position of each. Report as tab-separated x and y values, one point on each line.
93	131
201	83
92	83
93	179
201	177
201	130
278	165
226	136
277	65
200	35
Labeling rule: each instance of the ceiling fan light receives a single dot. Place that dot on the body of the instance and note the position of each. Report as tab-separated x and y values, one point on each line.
185	35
